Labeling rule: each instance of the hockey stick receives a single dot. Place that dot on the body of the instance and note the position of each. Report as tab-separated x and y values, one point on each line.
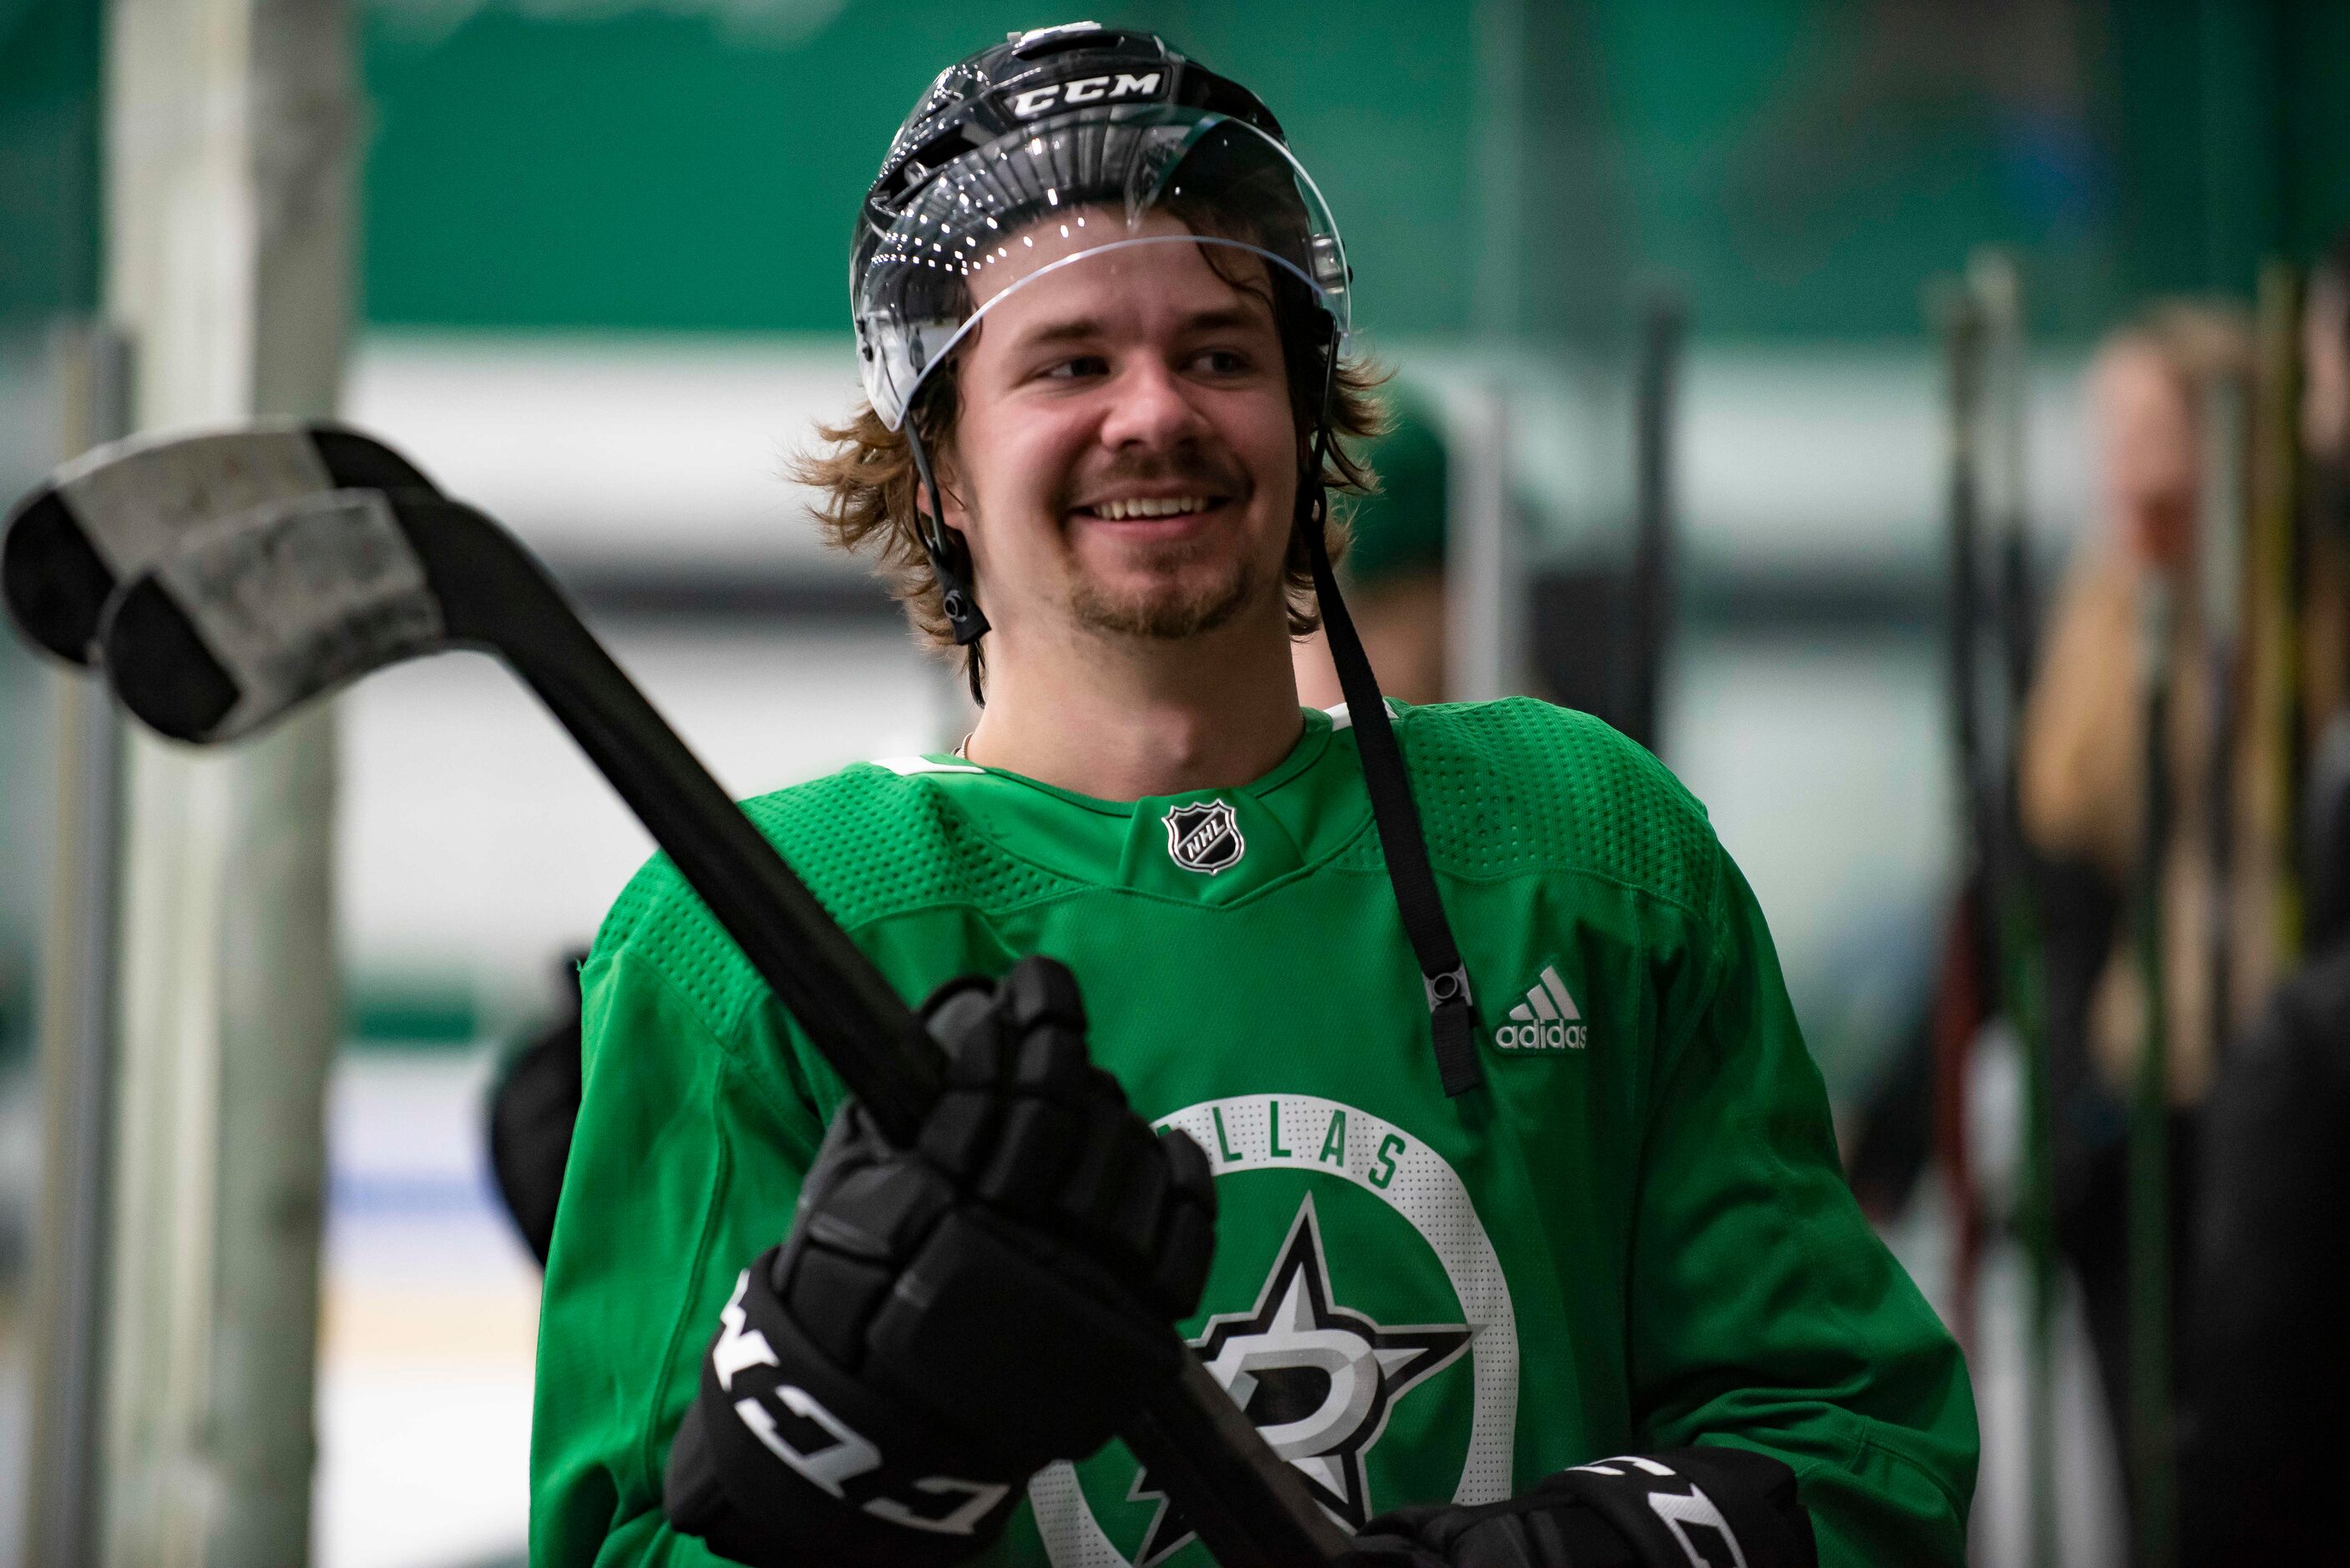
2010	899
2151	1438
1962	995
275	605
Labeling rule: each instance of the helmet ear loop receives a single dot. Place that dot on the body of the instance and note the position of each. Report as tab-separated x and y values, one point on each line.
950	563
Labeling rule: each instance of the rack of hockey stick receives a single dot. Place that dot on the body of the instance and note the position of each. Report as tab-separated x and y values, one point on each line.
2250	583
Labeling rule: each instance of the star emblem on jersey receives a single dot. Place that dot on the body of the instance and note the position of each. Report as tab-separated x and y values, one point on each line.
1547	1020
1206	836
1316	1378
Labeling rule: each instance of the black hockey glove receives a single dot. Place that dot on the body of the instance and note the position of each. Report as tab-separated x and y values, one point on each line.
944	1321
1691	1508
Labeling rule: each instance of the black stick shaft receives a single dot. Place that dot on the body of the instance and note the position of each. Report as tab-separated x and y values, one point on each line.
1964	343
2152	1371
1249	1506
856	1020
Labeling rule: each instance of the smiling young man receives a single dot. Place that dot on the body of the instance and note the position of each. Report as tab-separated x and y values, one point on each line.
1431	1070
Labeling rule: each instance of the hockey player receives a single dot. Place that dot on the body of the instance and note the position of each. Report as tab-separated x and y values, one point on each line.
1516	1161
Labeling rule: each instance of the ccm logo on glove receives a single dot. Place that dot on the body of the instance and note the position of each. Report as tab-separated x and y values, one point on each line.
944	1321
838	1453
1711	1506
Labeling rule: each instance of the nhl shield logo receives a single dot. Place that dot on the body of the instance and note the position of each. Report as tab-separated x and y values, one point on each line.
1205	836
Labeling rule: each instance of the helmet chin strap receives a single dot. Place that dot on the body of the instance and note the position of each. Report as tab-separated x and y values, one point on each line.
1451	1007
950	563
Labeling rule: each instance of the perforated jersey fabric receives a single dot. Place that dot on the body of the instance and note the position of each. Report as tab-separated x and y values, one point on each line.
1520	786
867	841
1635	1238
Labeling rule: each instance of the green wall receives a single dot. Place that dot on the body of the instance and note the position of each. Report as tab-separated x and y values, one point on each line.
1796	167
49	266
49	157
667	171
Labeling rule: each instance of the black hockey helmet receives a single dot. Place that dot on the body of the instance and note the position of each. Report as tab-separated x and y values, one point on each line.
1082	136
1039	75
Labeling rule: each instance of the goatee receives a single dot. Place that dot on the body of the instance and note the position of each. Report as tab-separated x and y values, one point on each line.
1167	611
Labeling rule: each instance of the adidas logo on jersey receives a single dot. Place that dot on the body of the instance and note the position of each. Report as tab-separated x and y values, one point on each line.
1547	1020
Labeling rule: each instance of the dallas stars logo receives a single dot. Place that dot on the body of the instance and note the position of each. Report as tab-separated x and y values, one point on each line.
1316	1378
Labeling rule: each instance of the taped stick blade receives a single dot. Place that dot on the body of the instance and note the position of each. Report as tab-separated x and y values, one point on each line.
120	508
267	612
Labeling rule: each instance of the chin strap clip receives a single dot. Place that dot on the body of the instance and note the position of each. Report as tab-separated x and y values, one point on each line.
950	563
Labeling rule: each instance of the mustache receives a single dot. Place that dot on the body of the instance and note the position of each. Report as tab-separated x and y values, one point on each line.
1196	466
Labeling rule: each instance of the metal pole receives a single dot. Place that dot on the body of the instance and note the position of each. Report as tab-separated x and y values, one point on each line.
80	971
1498	152
1484	587
228	161
1484	592
1653	598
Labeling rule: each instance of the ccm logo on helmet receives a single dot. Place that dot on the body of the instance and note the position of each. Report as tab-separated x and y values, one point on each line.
1084	90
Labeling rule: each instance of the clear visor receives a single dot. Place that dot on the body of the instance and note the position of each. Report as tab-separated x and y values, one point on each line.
1027	207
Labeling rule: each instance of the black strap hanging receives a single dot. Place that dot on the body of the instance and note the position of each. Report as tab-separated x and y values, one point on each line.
1452	1008
950	563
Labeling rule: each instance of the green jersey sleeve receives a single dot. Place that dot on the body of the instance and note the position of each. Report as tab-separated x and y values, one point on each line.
685	1165
1767	1312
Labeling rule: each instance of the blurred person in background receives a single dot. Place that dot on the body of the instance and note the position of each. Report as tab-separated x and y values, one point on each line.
2082	795
1394	570
1469	1246
2264	1458
532	1107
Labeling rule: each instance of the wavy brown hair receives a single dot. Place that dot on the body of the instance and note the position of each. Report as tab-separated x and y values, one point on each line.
866	481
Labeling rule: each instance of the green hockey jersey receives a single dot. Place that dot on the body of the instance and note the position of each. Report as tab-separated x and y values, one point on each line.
1636	1238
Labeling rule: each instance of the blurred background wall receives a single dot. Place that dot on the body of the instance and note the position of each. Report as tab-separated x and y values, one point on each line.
603	277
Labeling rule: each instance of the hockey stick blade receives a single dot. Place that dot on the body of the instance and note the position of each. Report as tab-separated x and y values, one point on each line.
267	611
120	508
286	603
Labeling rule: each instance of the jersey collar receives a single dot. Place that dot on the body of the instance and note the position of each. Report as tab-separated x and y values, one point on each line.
1302	812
